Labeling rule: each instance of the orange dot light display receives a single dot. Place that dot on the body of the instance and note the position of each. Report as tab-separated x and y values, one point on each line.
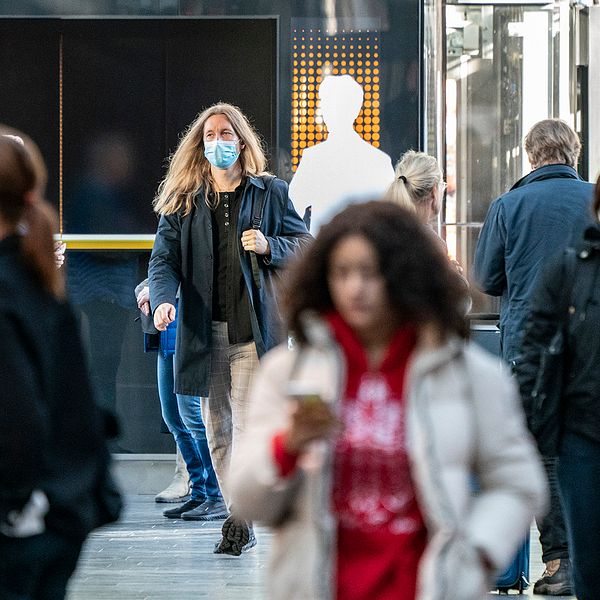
316	55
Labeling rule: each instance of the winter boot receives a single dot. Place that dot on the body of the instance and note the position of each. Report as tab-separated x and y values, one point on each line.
179	488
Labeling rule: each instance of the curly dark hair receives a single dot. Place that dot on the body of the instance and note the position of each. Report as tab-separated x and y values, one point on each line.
422	285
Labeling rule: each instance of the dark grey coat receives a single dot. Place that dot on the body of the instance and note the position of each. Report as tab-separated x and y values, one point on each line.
180	259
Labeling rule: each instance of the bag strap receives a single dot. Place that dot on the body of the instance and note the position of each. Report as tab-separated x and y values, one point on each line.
562	331
569	282
258	209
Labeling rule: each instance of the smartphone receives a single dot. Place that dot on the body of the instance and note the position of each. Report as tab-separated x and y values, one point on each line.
304	393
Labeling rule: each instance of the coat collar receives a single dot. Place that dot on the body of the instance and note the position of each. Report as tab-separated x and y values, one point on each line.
558	171
257	181
432	352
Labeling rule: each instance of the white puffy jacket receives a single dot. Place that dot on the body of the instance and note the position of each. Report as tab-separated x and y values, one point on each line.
463	420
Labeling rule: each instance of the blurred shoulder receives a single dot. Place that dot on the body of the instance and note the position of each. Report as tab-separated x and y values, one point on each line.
278	361
484	364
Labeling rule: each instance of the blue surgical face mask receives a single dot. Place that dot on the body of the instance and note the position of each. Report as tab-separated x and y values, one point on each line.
220	153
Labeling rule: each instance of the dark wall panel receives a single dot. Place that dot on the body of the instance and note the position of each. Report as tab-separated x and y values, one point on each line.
29	59
241	73
130	87
114	126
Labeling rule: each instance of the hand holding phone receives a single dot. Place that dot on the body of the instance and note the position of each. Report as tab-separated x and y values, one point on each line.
304	395
311	419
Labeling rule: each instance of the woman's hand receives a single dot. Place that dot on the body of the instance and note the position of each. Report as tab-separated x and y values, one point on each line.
458	267
254	240
59	253
143	300
309	421
163	315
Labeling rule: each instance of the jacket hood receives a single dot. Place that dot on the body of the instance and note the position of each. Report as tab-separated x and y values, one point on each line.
558	171
431	351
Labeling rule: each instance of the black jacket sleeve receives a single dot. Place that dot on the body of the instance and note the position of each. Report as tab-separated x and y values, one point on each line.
78	458
146	321
24	426
545	315
164	269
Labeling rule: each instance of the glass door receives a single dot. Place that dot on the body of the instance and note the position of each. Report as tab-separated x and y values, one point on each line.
507	67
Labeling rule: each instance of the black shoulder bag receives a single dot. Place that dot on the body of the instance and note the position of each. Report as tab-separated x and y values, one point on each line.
545	420
258	209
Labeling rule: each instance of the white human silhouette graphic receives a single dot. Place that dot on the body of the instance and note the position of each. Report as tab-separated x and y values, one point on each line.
344	169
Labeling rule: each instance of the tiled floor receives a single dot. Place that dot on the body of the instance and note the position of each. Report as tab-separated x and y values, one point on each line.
148	557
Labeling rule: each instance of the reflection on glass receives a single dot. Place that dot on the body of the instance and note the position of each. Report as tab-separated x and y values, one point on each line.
464	238
101	289
500	80
100	198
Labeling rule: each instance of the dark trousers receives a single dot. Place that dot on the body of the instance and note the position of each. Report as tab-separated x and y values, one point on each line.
552	528
579	478
37	567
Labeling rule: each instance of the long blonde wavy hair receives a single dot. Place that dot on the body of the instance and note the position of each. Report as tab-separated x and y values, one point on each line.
189	170
417	174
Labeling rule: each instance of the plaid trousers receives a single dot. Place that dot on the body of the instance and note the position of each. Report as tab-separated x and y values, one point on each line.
224	411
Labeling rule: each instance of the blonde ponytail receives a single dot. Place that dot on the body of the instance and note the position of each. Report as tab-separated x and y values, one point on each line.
399	193
417	174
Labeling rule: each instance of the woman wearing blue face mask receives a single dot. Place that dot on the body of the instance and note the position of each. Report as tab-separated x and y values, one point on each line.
226	227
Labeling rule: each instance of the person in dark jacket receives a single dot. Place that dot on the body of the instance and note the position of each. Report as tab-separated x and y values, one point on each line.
54	481
226	227
579	450
540	215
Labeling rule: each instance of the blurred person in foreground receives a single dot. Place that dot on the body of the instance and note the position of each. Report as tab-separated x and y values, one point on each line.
54	481
362	441
59	245
578	424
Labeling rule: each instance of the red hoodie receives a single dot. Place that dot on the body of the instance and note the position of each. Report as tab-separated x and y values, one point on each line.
381	533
